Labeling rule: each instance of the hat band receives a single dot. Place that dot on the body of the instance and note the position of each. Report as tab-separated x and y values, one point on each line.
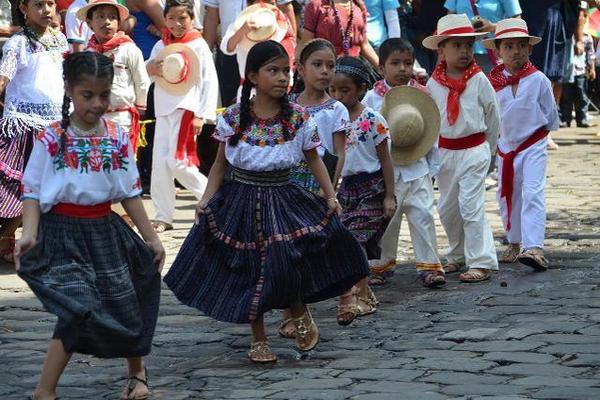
185	70
505	31
455	31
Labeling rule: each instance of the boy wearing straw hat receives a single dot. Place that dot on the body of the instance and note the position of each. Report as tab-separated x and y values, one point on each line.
414	123
469	131
529	113
185	96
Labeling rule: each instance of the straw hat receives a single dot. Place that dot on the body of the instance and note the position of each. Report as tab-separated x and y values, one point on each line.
83	11
180	69
271	24
449	26
508	29
414	122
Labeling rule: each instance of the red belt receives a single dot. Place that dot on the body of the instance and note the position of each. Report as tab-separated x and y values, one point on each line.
462	143
186	140
79	211
508	169
134	132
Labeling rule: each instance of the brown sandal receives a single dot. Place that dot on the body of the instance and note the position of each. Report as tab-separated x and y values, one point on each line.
132	382
307	332
290	334
534	258
161	226
261	352
474	275
433	279
511	253
368	305
452	267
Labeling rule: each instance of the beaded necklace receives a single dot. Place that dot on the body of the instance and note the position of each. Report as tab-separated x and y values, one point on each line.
346	33
48	42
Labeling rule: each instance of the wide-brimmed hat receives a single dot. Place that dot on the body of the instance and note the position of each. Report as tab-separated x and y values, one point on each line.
180	68
271	24
449	26
414	122
83	11
510	28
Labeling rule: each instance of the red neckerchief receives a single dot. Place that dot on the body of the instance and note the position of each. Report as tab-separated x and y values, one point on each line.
455	86
499	80
114	42
190	35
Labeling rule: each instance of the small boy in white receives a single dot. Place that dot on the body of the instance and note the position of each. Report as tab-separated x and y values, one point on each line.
174	152
413	189
468	135
528	114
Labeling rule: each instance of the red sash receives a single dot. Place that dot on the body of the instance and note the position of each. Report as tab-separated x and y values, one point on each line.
508	169
80	211
186	141
112	43
462	143
134	132
455	87
190	35
499	81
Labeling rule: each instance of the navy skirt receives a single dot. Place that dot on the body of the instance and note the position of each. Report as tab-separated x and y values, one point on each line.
97	276
264	243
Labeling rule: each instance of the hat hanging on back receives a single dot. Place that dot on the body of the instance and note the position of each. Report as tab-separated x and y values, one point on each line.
180	68
123	11
449	26
270	23
510	28
414	122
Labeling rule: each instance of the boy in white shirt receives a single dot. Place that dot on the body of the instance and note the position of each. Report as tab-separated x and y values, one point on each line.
528	114
77	31
468	134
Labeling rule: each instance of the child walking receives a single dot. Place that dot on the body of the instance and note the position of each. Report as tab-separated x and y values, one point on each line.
31	73
367	189
82	261
261	242
412	180
468	135
528	114
185	97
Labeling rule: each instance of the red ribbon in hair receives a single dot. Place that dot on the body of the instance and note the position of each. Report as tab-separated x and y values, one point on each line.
190	35
455	87
186	141
118	39
499	80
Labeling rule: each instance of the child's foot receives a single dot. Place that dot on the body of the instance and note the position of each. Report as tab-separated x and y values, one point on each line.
347	310
511	253
160	226
307	333
433	279
474	275
287	329
366	304
534	258
261	352
39	396
137	387
452	267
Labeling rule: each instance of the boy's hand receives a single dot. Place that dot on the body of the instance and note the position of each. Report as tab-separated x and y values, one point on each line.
197	123
23	245
389	207
154	68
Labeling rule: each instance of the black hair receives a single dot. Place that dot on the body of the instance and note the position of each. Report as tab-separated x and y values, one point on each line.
188	4
356	69
19	20
309	48
77	67
394	44
259	55
90	12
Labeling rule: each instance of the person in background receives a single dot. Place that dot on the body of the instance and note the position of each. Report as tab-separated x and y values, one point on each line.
382	21
7	29
149	23
76	30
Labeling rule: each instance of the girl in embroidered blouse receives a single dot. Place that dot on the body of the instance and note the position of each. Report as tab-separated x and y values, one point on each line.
367	189
83	262
261	242
31	73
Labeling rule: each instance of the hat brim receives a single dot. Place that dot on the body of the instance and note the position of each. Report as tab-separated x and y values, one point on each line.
123	11
491	43
194	69
247	42
432	42
431	122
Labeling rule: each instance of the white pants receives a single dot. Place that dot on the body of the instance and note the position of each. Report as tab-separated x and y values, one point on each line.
528	214
415	199
461	206
165	168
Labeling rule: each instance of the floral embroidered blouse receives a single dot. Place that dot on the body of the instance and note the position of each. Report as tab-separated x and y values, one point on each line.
263	146
367	131
91	170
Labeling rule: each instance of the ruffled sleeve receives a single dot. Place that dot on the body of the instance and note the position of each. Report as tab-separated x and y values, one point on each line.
309	135
226	124
379	129
341	118
13	56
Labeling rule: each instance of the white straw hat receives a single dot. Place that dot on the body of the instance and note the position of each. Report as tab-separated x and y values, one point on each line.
451	25
180	69
508	29
271	24
83	11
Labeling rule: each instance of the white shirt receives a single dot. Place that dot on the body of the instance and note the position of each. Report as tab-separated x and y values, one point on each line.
531	108
479	110
93	171
263	147
77	31
36	87
200	99
428	164
367	131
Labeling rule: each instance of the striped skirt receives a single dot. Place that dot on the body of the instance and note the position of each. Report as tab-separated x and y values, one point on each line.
264	243
97	276
16	142
361	197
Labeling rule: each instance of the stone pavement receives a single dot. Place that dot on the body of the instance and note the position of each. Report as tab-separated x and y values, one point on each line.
521	335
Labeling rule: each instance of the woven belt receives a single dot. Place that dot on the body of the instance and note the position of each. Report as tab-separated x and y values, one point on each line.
278	177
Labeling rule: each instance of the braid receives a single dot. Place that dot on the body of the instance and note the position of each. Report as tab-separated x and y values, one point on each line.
245	117
64	123
286	115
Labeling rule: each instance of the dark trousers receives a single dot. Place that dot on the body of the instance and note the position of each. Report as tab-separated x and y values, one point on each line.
229	77
573	96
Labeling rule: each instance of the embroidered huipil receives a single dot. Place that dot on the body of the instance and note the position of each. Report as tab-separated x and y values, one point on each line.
262	146
367	131
35	91
91	170
428	164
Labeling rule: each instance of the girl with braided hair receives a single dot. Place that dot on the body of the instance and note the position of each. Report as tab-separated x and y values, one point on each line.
261	242
84	263
31	72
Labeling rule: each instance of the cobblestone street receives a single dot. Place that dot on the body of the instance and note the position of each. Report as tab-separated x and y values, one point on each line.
521	335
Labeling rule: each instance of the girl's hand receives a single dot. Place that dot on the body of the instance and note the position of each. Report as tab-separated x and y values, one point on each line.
197	123
154	68
334	206
159	253
389	207
23	245
201	209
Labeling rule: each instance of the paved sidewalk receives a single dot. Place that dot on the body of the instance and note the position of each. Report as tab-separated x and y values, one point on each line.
521	335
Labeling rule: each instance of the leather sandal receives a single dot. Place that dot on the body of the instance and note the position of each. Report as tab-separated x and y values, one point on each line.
366	305
283	326
307	332
511	253
452	267
432	279
534	258
474	275
261	353
132	382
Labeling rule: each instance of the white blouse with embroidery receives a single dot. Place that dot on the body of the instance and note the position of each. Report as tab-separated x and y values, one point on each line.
91	170
262	146
35	91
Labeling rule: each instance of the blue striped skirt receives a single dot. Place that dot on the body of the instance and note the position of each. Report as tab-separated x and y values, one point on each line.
262	244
